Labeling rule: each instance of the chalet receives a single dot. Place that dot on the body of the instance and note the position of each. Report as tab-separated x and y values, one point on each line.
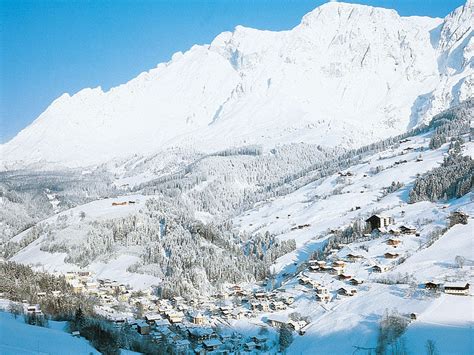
379	221
263	307
394	231
200	334
356	282
313	268
321	263
260	295
407	229
353	257
323	297
76	334
296	325
321	290
391	255
346	292
278	305
339	263
119	203
225	310
379	268
152	318
277	320
212	344
303	280
336	270
41	294
197	318
343	277
432	286
393	242
457	289
56	293
143	328
175	317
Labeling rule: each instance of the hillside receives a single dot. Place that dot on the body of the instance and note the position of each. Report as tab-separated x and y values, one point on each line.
347	75
20	338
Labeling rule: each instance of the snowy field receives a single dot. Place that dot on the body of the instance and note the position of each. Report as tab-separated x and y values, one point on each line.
19	338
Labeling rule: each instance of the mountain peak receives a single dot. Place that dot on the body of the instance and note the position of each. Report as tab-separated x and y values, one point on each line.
353	73
341	11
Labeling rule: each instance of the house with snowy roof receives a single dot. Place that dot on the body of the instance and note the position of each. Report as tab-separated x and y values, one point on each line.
458	288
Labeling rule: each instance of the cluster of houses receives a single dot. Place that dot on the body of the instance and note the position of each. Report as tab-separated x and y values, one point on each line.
190	325
280	320
337	268
106	290
180	325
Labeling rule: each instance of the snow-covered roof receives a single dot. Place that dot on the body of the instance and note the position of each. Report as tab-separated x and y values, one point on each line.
212	342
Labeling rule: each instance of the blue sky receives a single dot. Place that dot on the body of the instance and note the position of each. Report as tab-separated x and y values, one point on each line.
51	47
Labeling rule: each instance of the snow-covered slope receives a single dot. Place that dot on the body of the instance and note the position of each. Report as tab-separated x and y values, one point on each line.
17	338
347	74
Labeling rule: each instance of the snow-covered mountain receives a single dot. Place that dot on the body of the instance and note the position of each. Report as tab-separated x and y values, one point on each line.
347	74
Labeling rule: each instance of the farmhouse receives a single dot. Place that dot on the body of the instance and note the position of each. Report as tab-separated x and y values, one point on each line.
379	221
323	297
211	344
394	231
432	286
356	282
277	320
394	242
391	255
353	257
278	305
457	289
407	229
337	270
379	268
346	292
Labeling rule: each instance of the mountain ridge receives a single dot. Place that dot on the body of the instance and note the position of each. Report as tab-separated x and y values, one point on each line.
344	70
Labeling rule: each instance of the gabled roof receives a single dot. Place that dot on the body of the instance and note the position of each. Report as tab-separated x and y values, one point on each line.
212	342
